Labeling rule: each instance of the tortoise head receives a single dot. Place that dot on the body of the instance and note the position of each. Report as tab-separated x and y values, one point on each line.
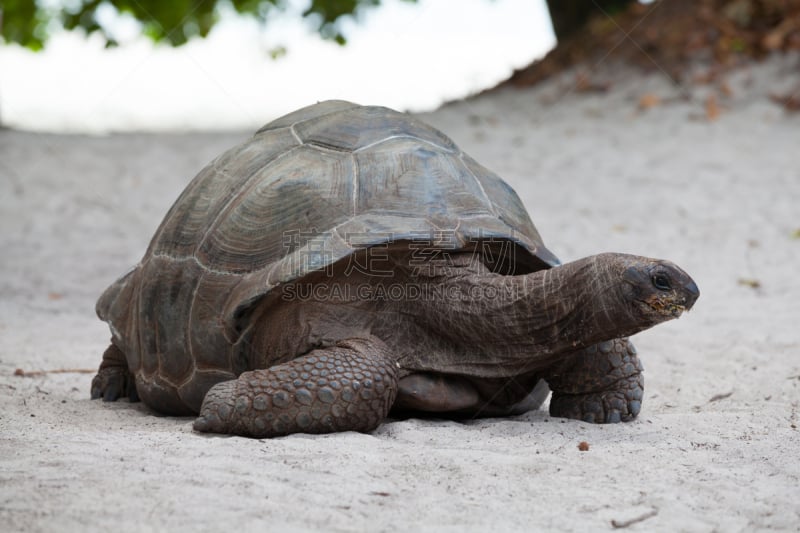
656	290
602	297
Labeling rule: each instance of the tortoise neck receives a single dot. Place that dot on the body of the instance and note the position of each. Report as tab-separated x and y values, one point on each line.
542	313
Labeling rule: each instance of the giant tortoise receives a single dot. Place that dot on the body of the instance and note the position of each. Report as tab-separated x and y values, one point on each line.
351	261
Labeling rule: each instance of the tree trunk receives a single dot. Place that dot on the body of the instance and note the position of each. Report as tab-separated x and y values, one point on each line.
570	15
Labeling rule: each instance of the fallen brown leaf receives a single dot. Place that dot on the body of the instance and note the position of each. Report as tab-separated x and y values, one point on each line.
712	107
648	101
704	78
584	84
790	103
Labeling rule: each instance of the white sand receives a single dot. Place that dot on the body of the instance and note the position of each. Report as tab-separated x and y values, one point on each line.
719	198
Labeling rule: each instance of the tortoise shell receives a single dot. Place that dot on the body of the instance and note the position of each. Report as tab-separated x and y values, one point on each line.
307	190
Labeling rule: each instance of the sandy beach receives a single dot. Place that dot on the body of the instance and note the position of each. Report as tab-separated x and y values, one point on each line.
715	448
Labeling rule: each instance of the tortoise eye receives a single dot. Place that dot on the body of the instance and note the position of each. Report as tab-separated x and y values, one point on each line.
661	282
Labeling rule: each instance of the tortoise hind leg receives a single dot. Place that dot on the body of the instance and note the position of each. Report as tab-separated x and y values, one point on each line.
600	384
348	387
113	380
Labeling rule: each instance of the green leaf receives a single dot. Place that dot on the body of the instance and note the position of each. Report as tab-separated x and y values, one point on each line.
25	22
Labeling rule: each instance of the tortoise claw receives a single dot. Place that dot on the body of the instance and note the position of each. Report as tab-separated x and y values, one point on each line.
112	383
608	407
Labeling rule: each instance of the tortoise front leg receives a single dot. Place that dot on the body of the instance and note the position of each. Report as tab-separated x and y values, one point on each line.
600	384
348	387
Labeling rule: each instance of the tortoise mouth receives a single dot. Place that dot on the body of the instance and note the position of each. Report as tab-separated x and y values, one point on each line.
675	310
664	307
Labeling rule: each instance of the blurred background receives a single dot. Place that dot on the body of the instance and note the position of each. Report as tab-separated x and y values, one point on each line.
254	64
111	65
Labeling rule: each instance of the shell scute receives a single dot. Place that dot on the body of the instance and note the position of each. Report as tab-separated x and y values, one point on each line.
403	178
209	196
306	193
367	126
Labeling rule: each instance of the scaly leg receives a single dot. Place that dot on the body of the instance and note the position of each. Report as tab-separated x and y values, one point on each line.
348	387
600	384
